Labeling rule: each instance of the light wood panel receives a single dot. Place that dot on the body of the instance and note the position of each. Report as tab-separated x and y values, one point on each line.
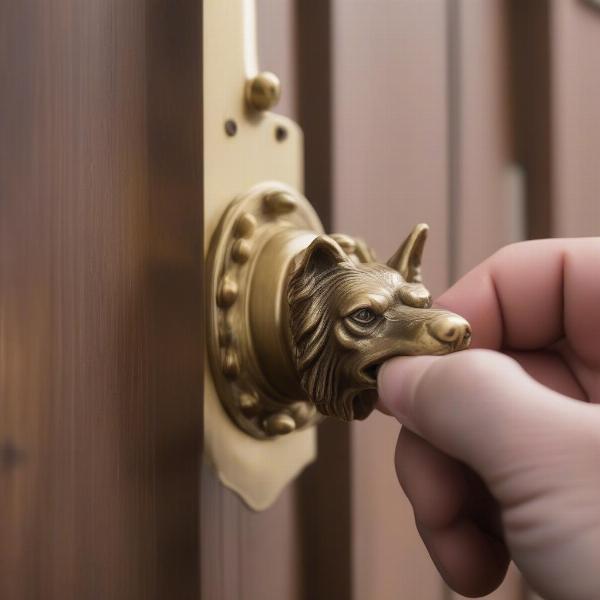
390	172
481	148
531	101
556	87
278	38
100	298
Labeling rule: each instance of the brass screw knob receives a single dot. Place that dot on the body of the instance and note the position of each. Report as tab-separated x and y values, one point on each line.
263	91
279	203
279	424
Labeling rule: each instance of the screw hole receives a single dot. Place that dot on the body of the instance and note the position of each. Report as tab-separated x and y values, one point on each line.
230	127
281	133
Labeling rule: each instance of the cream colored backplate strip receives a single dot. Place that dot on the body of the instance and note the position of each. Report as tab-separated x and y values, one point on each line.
256	469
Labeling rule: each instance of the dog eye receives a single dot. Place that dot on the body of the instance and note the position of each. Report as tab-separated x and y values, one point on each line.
364	316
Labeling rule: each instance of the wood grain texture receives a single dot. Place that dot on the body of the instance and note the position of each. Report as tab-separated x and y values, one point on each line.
278	39
100	298
575	129
481	148
530	67
246	554
315	101
390	171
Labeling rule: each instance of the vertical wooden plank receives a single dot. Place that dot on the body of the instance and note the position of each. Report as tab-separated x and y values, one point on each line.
100	306
484	202
390	171
482	146
277	39
248	554
315	108
575	90
557	91
530	65
390	125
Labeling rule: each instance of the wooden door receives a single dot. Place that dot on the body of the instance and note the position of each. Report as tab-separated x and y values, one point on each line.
100	298
481	118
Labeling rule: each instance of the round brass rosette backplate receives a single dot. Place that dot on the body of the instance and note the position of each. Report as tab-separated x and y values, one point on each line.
249	349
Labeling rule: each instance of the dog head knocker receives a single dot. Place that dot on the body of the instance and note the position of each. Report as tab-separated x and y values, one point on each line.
347	317
299	321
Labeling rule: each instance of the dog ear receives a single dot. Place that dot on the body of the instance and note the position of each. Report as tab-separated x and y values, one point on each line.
323	254
407	259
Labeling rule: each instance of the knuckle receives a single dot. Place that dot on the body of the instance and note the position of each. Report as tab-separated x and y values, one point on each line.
511	250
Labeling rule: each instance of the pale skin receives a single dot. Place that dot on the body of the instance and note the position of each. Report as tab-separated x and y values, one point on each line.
499	453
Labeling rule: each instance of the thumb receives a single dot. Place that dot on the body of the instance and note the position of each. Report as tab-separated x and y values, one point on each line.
478	406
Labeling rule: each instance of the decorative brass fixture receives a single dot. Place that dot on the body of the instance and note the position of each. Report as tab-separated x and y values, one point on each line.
263	91
300	321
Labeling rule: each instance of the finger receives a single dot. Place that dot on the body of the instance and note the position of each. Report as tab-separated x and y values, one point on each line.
471	563
456	513
433	482
479	407
551	370
587	376
529	295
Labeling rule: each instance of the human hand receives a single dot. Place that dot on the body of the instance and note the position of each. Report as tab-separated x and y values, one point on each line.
500	450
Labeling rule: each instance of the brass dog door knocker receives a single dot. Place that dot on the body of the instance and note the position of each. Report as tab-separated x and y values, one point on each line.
300	321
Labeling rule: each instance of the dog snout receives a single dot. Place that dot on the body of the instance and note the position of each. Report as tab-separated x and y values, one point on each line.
452	330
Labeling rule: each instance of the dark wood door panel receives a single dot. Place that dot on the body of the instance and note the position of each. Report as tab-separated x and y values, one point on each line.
100	298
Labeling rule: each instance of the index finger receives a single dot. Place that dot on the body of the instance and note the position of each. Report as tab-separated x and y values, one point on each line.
529	295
